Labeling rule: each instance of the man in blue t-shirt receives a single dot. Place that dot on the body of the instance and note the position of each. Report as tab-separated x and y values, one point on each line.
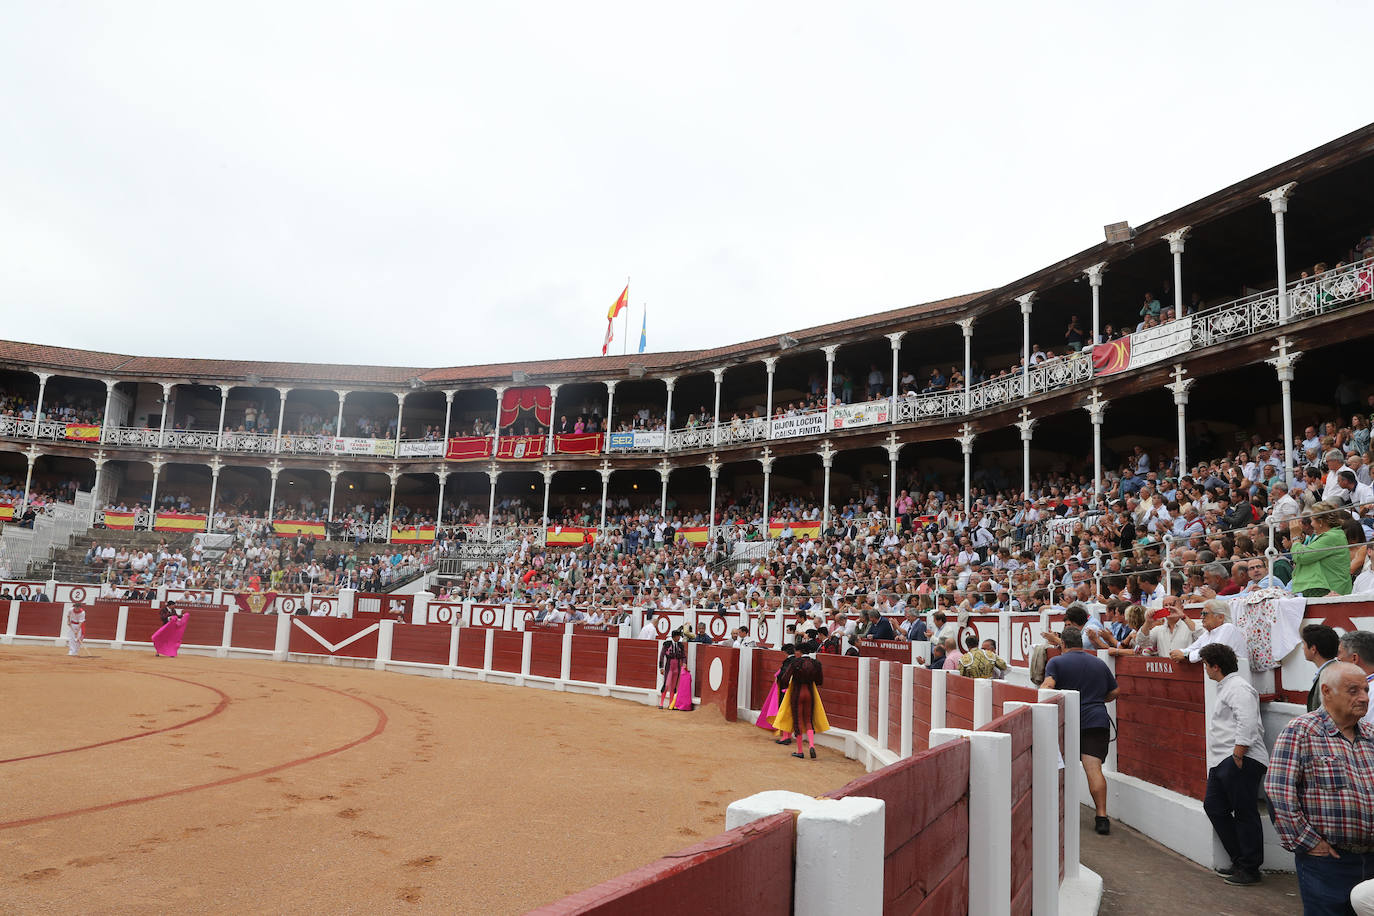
1096	686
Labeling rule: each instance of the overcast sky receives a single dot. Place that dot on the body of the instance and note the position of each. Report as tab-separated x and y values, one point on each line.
452	183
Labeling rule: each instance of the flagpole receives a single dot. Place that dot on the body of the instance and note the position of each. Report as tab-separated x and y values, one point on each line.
625	344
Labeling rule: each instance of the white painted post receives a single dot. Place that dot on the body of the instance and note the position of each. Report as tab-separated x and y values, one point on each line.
454	635
1109	765
1045	804
565	668
920	649
345	603
121	628
525	641
989	801
612	660
228	637
744	691
982	702
283	644
908	692
385	633
486	657
937	698
839	849
419	607
1072	753
12	625
865	674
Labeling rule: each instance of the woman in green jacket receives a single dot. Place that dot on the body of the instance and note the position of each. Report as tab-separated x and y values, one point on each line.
1321	561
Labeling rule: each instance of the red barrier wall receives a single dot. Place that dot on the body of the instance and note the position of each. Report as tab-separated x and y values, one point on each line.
507	650
925	862
894	708
334	630
546	654
637	663
1018	725
920	708
1003	692
40	619
840	693
251	631
589	658
958	702
766	664
746	870
874	687
1161	723
427	645
472	647
101	622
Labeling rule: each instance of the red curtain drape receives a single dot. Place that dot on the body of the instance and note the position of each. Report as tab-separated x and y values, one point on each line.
539	399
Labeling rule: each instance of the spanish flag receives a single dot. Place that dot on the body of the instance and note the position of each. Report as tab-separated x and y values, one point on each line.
295	527
620	305
83	432
412	534
6	512
177	521
122	521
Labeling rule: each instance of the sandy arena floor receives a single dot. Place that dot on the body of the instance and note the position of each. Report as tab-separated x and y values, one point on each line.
134	784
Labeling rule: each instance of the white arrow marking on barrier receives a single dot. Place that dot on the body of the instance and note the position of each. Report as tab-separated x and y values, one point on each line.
329	645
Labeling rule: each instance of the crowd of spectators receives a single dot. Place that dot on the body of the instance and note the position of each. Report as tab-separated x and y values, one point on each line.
61	408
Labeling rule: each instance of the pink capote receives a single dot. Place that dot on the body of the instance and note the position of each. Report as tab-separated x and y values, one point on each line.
770	708
684	690
167	639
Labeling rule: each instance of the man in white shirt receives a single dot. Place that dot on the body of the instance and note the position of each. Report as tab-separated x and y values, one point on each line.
1216	628
1335	463
648	631
1284	507
1237	760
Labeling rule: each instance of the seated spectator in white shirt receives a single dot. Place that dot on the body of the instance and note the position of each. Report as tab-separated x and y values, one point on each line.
1216	627
1283	507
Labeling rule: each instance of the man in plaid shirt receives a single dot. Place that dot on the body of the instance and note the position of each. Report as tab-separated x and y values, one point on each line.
1321	790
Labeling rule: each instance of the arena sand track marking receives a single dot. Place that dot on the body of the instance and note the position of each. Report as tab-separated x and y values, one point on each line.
477	798
219	708
227	781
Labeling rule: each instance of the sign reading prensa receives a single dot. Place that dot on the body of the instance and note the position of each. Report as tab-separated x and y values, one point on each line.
848	416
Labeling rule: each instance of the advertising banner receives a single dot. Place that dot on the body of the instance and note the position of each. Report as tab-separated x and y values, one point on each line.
641	439
1142	348
807	424
346	445
418	448
849	416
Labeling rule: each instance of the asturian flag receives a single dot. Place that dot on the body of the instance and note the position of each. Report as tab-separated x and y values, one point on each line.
620	305
644	332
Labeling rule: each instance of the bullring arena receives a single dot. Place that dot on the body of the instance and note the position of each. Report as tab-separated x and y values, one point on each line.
427	604
344	790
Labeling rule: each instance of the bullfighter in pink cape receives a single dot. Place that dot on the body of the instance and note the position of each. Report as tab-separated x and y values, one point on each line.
770	703
167	639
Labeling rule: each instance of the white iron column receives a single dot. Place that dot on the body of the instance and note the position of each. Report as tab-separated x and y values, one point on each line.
719	375
770	365
766	460
448	412
157	464
400	412
442	473
496	436
671	383
223	407
281	417
547	471
829	352
109	405
1094	275
712	468
215	467
393	473
1097	409
967	325
273	469
334	472
99	459
894	449
338	422
1025	301
553	415
605	486
1026	424
38	408
610	415
32	453
665	470
1175	240
966	438
166	402
896	339
1283	365
827	453
1278	203
493	472
1179	386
